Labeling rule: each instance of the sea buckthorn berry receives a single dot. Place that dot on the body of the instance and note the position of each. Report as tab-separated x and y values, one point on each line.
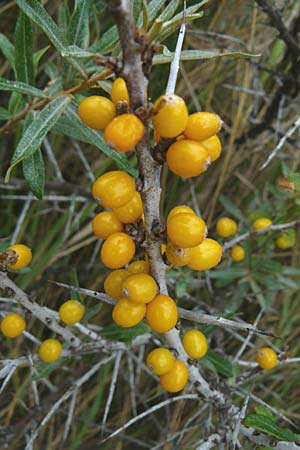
140	266
162	314
160	361
124	132
176	379
113	283
187	158
186	230
113	189
12	325
50	350
169	116
119	91
96	111
262	222
139	287
266	358
128	314
202	125
286	240
178	256
23	254
213	146
71	312
195	344
131	211
206	255
237	253
179	209
226	227
117	250
106	223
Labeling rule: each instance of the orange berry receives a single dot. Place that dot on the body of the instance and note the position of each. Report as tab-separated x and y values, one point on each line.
131	211
117	250
187	158
128	314
162	314
124	132
226	227
106	223
96	112
12	325
237	253
186	230
24	256
139	287
178	256
169	116
140	266
206	255
266	358
71	312
180	209
160	361
113	283
119	91
50	350
202	125
262	222
195	344
176	379
213	146
113	189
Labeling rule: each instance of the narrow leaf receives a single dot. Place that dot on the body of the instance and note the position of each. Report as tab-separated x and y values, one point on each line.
153	8
34	173
22	88
4	114
24	50
76	52
195	55
34	135
8	50
78	30
37	56
266	424
106	42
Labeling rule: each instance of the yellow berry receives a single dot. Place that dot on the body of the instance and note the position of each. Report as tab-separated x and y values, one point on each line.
206	255
140	266
71	312
237	253
180	209
106	223
50	350
187	158
178	256
160	361
176	379
23	254
202	125
213	146
113	283
128	314
124	132
169	116
113	189
195	344
117	250
226	227
96	111
186	230
139	287
119	92
285	241
266	358
162	314
131	211
262	222
12	325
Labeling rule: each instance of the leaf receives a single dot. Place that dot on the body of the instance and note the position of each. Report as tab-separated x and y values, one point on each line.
8	50
124	334
230	207
195	55
22	88
24	50
37	13
262	410
222	365
137	6
180	287
38	55
71	125
16	103
34	173
34	135
169	10
152	10
76	52
4	114
106	42
262	422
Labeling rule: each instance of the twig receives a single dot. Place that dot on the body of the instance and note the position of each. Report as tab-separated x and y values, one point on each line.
21	219
112	386
52	159
248	338
70	415
209	442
